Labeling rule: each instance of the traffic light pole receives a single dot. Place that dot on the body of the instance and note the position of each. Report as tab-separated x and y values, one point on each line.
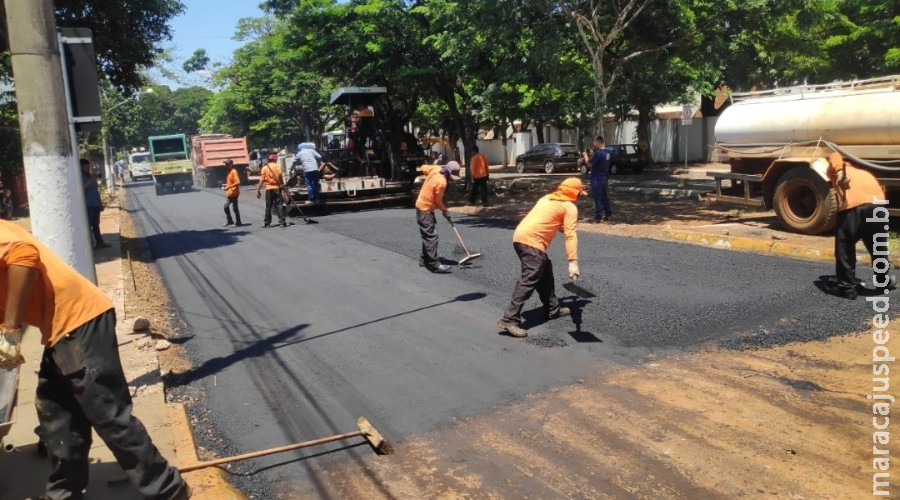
55	191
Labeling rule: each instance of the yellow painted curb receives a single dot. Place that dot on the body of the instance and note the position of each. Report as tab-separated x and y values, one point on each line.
764	247
210	483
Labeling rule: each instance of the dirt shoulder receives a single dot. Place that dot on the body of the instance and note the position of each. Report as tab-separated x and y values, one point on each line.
789	422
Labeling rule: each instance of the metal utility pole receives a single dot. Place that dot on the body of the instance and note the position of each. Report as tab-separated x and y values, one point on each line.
55	192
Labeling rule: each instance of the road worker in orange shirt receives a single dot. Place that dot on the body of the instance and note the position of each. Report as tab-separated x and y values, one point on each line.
553	213
81	385
232	188
431	197
271	177
860	217
480	175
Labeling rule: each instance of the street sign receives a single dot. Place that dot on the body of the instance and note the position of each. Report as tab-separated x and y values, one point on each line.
687	114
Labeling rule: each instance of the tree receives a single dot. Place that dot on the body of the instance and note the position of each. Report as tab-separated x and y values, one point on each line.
601	26
126	33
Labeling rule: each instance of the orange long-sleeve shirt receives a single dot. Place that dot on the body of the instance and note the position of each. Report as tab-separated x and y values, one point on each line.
431	196
479	166
233	183
548	217
62	300
863	187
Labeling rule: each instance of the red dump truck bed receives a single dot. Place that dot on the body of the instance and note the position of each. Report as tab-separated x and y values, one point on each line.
210	152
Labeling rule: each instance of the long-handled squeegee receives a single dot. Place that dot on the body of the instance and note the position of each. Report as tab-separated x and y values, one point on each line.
376	441
469	255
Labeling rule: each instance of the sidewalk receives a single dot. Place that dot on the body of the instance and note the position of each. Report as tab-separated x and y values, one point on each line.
24	474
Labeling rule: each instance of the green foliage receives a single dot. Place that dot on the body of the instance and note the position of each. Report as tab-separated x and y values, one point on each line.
158	113
197	62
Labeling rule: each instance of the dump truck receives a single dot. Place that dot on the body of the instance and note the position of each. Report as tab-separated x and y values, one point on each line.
170	163
777	144
366	165
210	152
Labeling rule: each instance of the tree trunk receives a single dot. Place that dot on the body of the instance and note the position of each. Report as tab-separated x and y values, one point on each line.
643	129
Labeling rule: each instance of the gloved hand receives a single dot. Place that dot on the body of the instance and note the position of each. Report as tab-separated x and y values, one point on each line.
10	348
573	269
446	215
258	194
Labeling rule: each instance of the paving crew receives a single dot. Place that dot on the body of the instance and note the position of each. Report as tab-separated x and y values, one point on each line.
857	189
553	213
81	384
480	174
599	165
270	175
431	197
232	189
309	159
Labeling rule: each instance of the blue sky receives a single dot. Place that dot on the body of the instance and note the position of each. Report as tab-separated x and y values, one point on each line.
210	25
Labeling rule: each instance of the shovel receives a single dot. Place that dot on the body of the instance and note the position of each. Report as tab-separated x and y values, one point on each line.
579	290
469	255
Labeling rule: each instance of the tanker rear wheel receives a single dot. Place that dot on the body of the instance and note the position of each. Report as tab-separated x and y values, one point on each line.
805	203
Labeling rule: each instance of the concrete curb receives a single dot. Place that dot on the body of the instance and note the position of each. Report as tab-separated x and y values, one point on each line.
763	247
657	192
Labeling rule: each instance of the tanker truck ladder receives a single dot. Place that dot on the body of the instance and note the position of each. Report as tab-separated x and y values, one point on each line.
801	91
748	184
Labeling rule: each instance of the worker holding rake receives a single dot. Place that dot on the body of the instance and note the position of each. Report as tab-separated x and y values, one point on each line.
431	197
553	213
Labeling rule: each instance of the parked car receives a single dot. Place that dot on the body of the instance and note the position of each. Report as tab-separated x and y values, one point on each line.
624	157
549	157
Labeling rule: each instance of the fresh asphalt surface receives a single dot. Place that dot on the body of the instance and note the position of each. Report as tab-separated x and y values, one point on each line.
295	332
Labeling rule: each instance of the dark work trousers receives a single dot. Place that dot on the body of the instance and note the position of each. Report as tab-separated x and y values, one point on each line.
600	194
479	185
537	274
852	227
80	386
312	184
232	201
273	200
93	215
428	230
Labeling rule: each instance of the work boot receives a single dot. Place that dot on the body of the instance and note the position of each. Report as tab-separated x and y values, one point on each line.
847	293
439	269
563	311
228	224
421	262
868	288
512	329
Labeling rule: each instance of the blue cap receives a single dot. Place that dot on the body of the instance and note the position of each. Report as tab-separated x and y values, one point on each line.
299	146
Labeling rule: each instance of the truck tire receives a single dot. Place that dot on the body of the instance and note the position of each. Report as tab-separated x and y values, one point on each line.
549	167
158	189
805	203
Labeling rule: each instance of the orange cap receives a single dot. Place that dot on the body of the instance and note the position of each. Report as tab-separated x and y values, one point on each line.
573	184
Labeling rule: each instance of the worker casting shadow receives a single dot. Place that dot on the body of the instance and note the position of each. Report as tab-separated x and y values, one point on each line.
466	297
212	366
576	305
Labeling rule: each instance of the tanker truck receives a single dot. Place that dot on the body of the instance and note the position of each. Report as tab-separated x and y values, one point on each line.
777	144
